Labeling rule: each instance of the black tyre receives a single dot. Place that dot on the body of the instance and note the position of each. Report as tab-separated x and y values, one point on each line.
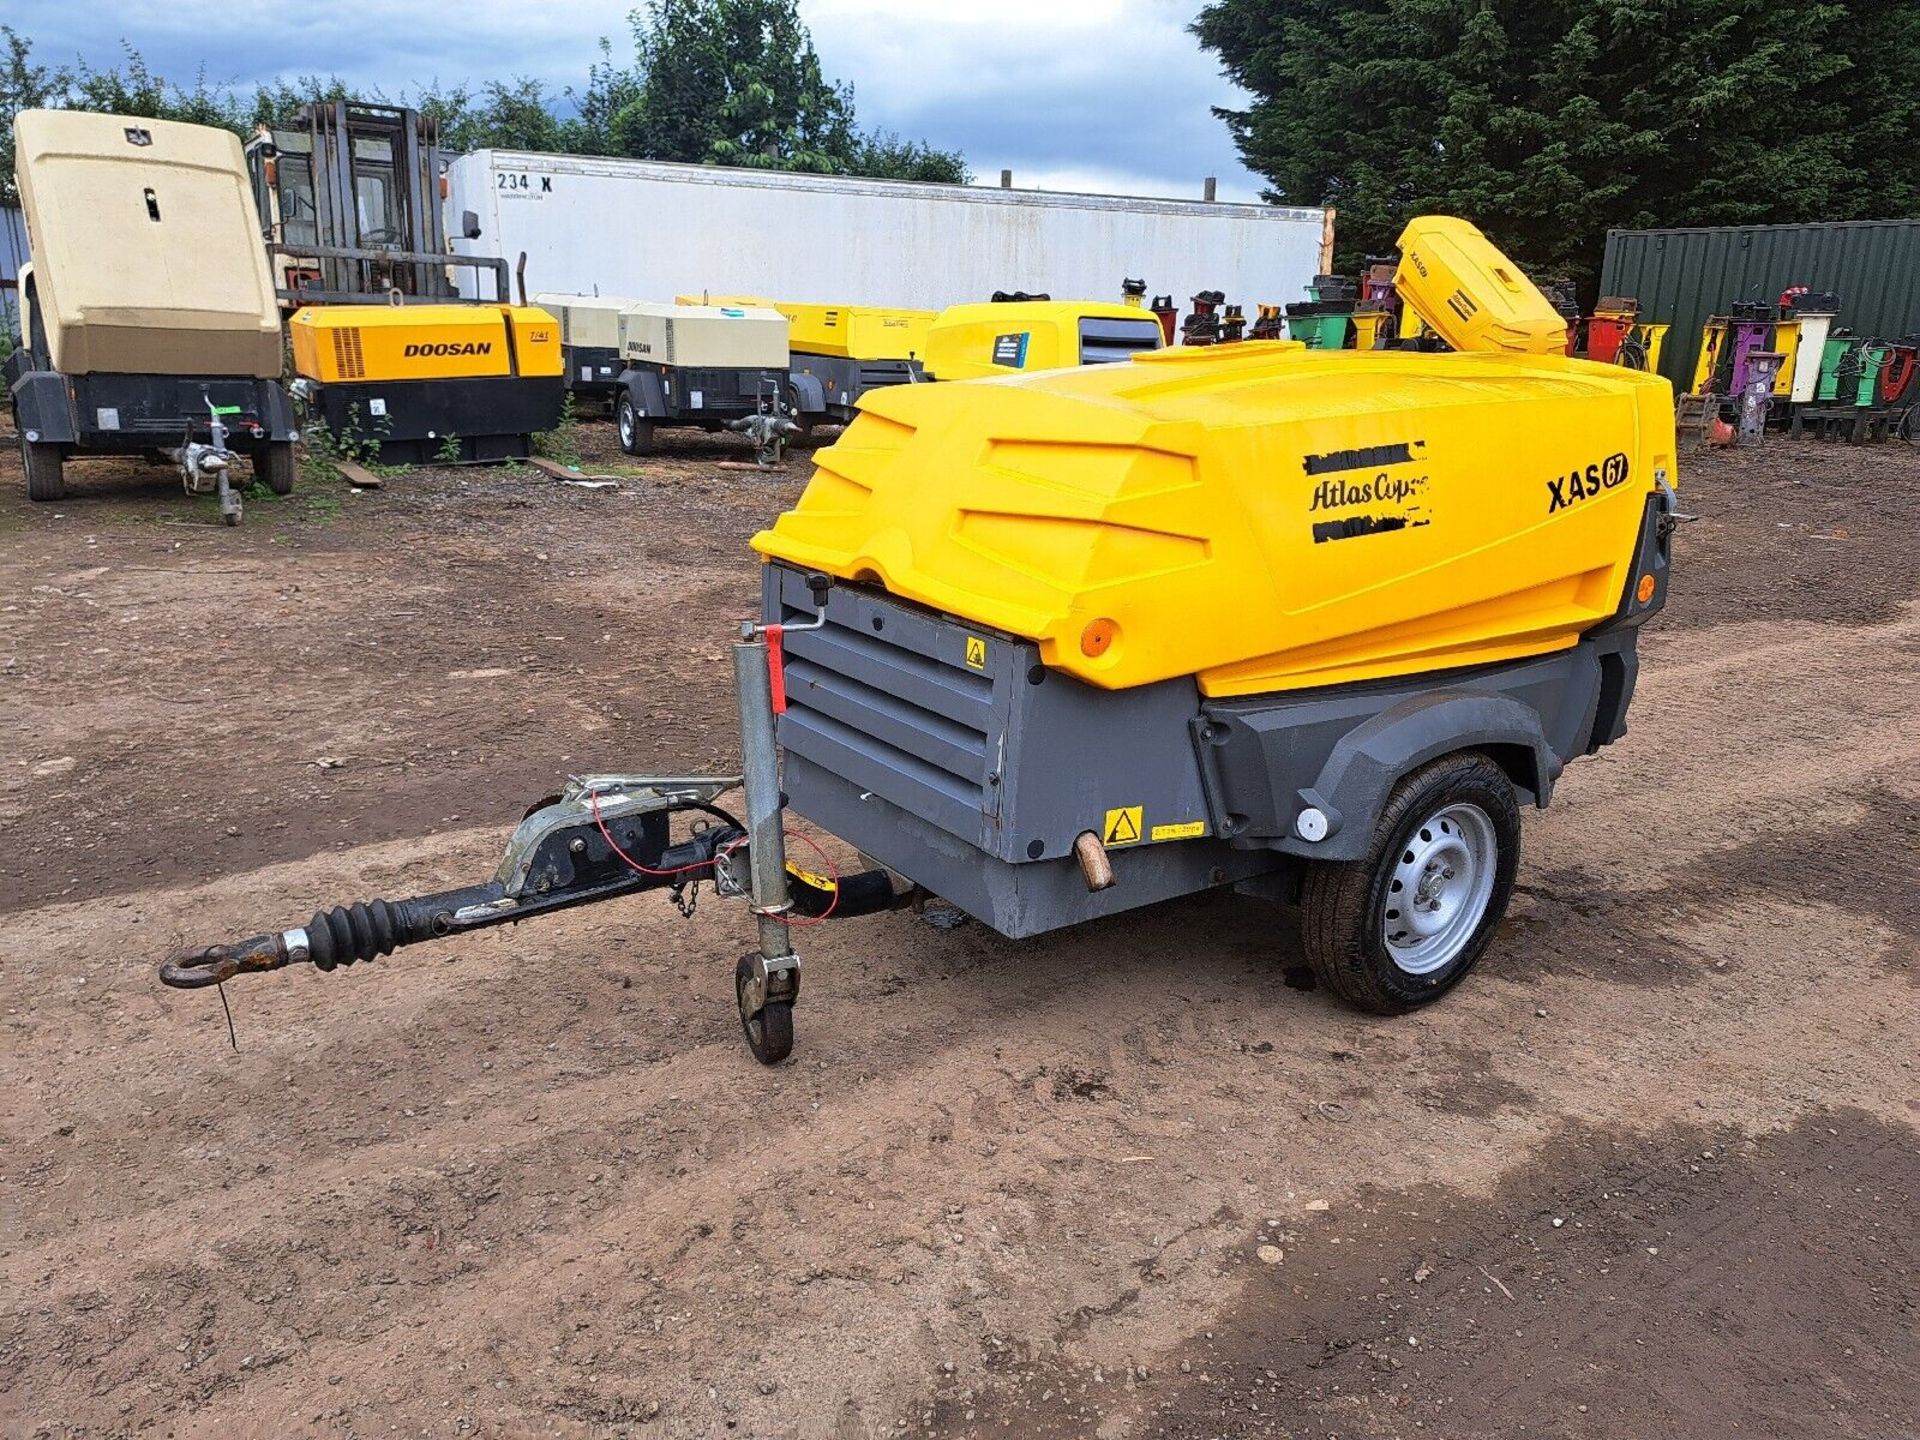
273	467
1402	927
769	1031
799	417
636	431
46	470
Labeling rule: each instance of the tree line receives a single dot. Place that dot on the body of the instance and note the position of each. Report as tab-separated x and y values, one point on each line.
719	82
1548	122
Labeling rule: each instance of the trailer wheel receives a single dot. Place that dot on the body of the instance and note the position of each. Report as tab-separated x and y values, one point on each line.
273	466
46	471
801	419
636	432
1402	927
769	1030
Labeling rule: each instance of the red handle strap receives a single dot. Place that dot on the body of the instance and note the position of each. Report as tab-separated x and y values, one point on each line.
777	665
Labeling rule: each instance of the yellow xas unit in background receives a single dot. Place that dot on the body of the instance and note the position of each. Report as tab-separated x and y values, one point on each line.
840	352
1471	295
1003	337
426	383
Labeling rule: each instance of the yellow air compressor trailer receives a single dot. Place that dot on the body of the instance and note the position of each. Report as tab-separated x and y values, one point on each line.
840	352
1472	296
149	325
843	352
1003	337
427	383
1313	625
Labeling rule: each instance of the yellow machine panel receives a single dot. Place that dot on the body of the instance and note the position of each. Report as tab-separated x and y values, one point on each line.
1786	341
970	342
858	332
1471	295
147	249
1653	340
1713	335
855	332
1260	516
342	344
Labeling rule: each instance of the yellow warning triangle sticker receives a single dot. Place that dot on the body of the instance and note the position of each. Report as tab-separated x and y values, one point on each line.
1123	825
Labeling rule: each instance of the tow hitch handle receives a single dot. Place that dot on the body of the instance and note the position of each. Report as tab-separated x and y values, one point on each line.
818	584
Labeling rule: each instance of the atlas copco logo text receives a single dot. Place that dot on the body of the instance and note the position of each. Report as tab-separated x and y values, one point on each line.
1577	485
450	347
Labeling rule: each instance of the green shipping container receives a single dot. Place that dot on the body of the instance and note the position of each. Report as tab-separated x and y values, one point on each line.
1683	276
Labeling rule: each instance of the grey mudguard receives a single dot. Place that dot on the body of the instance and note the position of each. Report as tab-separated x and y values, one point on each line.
1365	764
43	408
1267	758
810	396
649	397
277	412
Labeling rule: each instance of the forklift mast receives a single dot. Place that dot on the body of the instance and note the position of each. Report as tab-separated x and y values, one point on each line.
349	196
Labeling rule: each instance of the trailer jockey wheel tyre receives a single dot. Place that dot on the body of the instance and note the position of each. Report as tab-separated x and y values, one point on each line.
1400	928
636	432
273	467
769	1032
46	472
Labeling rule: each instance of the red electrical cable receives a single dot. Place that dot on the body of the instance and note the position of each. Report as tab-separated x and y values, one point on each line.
593	799
833	872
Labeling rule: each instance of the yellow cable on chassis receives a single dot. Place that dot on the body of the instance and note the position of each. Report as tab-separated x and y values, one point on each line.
1311	624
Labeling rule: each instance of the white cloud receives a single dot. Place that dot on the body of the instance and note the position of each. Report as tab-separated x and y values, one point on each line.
1114	88
1109	95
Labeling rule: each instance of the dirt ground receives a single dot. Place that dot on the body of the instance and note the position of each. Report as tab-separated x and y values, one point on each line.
1651	1173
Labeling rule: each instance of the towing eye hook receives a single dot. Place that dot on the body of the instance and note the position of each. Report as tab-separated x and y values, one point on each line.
216	964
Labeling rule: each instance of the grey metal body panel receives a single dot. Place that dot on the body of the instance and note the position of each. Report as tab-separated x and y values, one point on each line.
830	386
1018	900
951	755
666	395
594	369
147	411
1012	758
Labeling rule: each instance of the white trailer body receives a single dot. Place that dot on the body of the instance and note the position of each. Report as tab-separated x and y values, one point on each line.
654	230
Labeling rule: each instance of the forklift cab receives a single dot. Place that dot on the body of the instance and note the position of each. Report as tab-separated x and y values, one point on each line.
350	197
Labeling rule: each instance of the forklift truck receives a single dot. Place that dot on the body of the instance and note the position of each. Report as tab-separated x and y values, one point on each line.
349	199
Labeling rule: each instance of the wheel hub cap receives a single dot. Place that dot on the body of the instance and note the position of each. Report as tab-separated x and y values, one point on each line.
1439	887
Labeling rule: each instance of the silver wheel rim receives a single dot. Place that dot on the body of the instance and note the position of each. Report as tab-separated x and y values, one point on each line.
626	423
1438	890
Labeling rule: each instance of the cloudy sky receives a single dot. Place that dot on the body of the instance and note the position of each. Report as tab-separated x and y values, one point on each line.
1107	95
